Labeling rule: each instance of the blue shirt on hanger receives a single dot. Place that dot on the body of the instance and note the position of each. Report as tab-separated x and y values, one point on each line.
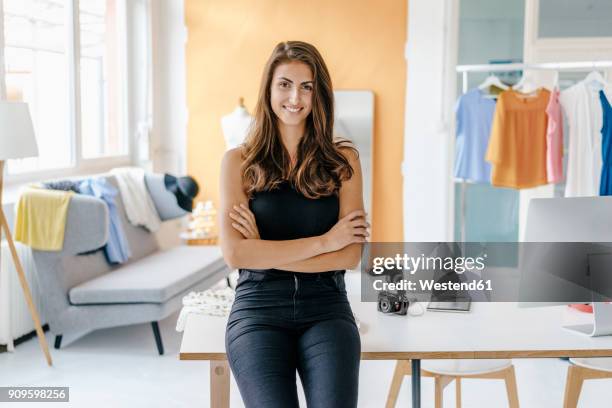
605	184
474	118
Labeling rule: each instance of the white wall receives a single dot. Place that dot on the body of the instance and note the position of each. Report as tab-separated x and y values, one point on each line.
169	137
137	16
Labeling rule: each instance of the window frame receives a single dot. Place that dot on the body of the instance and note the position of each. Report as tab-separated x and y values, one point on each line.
534	45
80	165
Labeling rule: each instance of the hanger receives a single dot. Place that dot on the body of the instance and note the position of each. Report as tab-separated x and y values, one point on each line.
526	86
241	102
595	80
492	80
556	80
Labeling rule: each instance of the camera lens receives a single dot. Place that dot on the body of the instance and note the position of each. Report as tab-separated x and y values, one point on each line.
385	306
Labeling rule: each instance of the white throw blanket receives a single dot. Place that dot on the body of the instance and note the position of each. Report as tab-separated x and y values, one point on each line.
138	204
211	302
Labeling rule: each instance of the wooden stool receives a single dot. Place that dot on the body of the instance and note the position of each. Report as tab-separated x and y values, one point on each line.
582	369
403	368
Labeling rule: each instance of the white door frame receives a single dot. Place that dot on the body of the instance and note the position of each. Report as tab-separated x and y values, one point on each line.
431	54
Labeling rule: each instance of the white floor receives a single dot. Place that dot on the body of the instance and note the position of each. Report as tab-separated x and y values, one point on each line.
120	368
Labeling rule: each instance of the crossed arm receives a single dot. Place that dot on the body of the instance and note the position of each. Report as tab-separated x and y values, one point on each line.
340	248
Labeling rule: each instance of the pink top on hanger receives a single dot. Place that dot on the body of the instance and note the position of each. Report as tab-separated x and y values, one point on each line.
554	139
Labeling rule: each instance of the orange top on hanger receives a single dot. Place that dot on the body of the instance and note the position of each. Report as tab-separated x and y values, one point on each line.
517	146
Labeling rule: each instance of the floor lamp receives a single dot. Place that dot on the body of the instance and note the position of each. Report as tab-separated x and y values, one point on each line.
16	142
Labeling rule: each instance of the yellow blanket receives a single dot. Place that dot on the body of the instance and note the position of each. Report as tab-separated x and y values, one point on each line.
41	218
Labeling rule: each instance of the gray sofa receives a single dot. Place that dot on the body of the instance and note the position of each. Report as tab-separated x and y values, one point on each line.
82	292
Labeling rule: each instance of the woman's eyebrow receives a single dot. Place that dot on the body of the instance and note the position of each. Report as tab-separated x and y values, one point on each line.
288	80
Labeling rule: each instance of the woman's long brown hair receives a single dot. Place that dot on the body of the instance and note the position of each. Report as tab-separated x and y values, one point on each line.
321	166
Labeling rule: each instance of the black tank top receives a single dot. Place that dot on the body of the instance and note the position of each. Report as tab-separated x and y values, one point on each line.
284	213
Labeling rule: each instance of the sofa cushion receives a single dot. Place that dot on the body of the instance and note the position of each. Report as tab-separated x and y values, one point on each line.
153	279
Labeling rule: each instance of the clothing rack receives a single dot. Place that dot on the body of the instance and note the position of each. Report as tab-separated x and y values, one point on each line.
545	66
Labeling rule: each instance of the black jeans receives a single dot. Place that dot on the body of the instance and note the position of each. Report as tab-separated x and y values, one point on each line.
283	322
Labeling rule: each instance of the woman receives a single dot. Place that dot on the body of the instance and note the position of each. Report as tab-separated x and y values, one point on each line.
292	221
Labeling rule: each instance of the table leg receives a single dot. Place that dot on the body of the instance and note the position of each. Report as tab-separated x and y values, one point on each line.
219	384
416	383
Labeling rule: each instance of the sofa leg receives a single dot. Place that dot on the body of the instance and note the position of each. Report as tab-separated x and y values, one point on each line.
58	341
158	340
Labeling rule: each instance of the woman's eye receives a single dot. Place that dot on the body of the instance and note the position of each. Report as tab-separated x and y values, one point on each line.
284	84
308	87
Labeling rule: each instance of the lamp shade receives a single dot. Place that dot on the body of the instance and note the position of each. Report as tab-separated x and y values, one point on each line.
16	131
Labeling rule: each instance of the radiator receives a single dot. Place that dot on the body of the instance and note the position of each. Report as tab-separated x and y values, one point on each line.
15	318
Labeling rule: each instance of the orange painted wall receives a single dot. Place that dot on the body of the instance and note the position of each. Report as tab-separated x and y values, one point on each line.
362	42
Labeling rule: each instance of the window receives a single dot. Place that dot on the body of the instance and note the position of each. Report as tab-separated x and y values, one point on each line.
35	72
69	68
102	79
574	18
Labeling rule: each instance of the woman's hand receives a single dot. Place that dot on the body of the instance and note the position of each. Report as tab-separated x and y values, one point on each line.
244	221
351	229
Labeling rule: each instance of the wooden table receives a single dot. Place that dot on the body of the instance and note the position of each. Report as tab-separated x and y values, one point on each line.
490	330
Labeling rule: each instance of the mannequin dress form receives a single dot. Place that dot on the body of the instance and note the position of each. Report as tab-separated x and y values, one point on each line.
235	126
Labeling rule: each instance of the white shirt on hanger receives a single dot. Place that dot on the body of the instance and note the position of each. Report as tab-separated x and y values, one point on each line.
235	127
582	107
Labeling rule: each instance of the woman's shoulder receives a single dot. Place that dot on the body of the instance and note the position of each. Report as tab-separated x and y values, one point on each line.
232	160
234	155
347	149
350	153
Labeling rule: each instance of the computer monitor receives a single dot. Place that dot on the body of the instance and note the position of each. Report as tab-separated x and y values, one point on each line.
559	274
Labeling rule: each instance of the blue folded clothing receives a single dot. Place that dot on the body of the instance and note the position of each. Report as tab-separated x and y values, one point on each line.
117	249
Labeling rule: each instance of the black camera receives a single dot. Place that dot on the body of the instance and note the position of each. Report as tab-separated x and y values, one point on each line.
392	303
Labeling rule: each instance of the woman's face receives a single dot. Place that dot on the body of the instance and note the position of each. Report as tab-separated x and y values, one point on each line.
291	93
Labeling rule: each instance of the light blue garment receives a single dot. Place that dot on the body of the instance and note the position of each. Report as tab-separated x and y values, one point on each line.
474	117
117	249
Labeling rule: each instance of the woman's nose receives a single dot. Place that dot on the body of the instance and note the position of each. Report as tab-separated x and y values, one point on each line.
293	97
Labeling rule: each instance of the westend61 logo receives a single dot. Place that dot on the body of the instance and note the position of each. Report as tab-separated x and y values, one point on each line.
413	264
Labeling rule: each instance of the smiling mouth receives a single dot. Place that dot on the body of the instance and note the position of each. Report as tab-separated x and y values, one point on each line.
292	109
